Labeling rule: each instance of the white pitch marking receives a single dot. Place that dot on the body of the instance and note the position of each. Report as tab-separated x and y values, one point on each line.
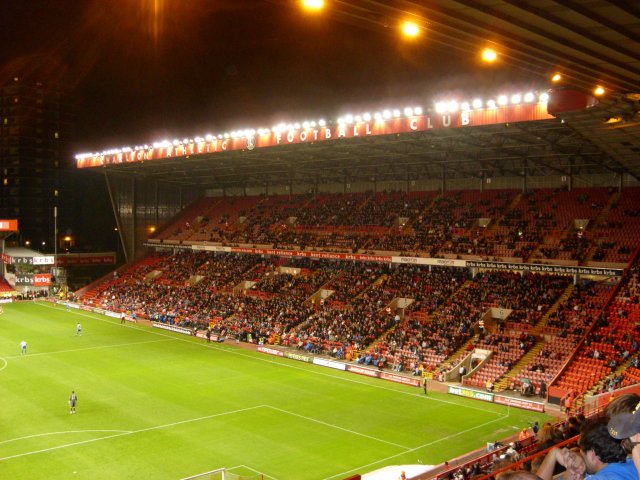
287	364
337	427
132	432
54	352
254	470
361	467
60	433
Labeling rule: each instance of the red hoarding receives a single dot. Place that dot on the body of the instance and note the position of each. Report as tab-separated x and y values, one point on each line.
41	280
8	225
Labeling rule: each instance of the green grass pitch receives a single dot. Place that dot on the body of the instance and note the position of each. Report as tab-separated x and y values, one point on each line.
158	405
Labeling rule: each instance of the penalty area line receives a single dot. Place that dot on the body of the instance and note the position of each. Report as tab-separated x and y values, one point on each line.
448	437
132	432
337	427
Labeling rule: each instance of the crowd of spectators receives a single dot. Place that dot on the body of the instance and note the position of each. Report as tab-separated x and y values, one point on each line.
533	225
441	307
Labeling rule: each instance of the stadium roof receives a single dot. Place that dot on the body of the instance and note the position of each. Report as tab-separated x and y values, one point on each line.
590	43
579	143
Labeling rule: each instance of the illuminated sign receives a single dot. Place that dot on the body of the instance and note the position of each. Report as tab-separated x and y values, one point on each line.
8	225
373	127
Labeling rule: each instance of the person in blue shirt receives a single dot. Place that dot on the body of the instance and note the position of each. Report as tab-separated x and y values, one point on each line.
601	457
626	427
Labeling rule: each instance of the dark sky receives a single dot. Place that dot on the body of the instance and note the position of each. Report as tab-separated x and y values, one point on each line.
144	70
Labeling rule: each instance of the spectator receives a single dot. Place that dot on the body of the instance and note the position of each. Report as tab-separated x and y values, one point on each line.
626	427
601	456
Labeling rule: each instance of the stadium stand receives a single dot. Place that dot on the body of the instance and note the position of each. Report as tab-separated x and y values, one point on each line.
407	318
579	337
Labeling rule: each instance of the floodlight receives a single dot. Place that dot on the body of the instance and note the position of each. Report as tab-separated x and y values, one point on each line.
313	4
489	55
410	29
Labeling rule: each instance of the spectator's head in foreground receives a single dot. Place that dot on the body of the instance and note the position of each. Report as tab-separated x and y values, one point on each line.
626	426
626	403
598	447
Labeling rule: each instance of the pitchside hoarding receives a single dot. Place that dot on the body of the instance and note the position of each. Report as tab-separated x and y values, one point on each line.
441	262
35	279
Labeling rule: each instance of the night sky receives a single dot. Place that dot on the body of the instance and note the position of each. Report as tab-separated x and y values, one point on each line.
144	70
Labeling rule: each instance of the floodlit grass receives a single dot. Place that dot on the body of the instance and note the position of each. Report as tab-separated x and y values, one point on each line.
158	405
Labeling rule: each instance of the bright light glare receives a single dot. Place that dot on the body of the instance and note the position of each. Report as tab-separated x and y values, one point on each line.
556	77
477	103
528	97
465	106
491	103
452	106
489	55
502	100
410	29
441	107
598	91
516	98
313	4
544	97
